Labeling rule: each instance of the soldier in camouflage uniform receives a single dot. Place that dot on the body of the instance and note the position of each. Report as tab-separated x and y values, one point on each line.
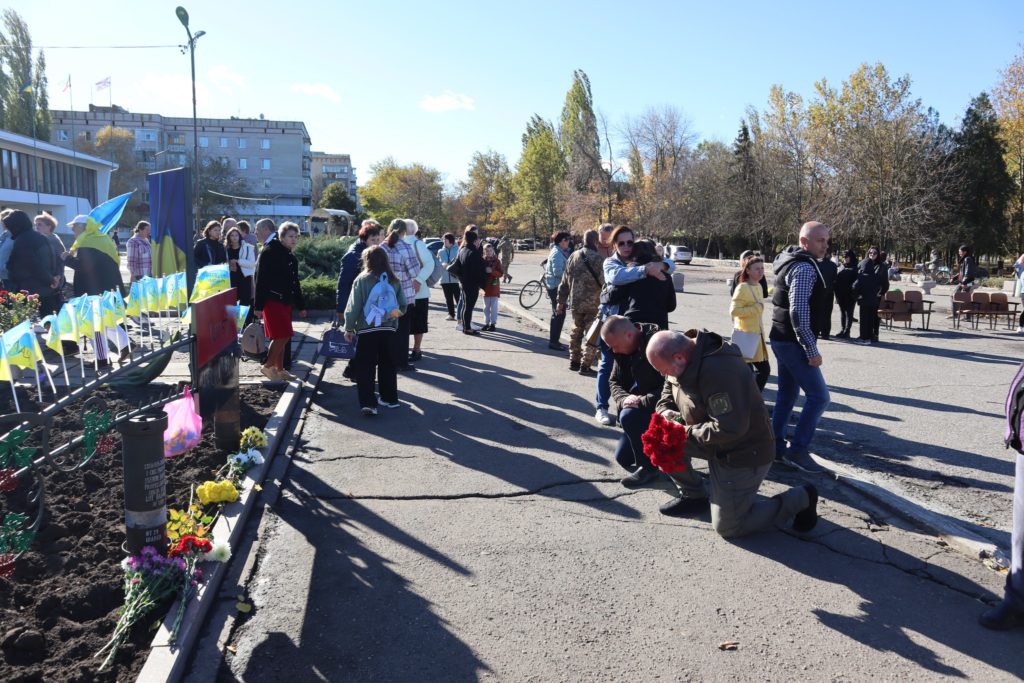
580	290
506	252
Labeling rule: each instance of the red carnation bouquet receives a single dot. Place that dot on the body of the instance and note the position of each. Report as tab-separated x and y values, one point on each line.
665	443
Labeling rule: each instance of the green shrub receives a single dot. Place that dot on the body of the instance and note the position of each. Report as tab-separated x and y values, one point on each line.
996	282
321	255
319	292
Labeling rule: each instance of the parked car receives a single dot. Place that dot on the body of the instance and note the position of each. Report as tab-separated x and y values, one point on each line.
525	245
680	253
433	244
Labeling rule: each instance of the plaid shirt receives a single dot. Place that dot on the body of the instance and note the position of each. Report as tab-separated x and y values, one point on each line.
140	257
801	279
405	264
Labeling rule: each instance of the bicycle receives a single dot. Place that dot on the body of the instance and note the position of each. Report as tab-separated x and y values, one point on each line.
940	274
531	293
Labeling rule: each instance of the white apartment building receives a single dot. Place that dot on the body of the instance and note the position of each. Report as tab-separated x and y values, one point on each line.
333	168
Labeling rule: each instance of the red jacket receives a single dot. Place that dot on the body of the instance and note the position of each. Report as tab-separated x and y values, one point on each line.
492	280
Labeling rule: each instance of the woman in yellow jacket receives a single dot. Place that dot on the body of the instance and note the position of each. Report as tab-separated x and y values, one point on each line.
747	311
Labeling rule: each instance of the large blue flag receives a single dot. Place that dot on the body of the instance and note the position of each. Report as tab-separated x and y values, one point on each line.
107	214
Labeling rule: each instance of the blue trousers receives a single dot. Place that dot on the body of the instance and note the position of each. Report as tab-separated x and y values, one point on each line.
604	374
796	375
629	453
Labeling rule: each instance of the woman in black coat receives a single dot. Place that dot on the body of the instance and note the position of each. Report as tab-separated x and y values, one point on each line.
471	276
871	285
648	300
278	293
209	251
845	279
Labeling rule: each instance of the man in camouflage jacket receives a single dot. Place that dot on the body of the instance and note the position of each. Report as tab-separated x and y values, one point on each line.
580	290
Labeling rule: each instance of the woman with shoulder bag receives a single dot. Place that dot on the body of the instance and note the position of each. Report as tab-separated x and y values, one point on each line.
448	254
747	311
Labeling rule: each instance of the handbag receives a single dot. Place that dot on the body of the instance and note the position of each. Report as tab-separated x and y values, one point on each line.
254	340
593	333
334	344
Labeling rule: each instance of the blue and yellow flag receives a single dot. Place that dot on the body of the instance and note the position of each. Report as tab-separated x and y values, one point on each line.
241	313
62	328
107	214
108	310
210	280
134	305
181	289
26	87
83	315
21	347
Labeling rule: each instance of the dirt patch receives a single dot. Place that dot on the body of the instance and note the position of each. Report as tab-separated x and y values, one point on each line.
60	605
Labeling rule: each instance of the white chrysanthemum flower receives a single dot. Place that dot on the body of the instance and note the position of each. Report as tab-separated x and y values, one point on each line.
221	552
125	566
255	457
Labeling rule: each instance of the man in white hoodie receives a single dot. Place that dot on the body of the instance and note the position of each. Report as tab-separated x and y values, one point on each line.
418	323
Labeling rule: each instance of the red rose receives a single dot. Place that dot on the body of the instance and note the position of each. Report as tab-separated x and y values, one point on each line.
664	443
8	482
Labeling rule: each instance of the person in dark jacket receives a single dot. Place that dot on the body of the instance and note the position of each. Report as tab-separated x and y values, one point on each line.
277	293
209	251
31	266
845	296
471	277
648	300
871	285
826	302
352	261
635	388
94	259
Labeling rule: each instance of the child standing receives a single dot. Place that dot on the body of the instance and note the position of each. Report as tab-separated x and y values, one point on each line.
492	287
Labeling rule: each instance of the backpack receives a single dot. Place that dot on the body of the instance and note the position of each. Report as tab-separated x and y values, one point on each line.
1015	412
381	303
435	276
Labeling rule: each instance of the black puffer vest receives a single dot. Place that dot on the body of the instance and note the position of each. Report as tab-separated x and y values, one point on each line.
782	323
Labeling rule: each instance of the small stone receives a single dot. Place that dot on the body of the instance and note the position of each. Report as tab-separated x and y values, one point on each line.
30	641
11	635
93	481
81	506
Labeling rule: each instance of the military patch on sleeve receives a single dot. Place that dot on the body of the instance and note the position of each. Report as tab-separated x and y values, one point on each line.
719	404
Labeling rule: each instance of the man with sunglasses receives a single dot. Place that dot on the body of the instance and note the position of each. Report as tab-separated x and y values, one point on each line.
618	273
799	289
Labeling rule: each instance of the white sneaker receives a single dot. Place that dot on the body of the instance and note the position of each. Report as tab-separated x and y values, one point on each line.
1020	330
603	417
458	327
369	411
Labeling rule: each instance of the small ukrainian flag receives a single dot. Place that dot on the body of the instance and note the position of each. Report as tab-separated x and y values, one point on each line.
27	87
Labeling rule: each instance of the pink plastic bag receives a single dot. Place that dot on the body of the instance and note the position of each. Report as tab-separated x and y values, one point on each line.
184	426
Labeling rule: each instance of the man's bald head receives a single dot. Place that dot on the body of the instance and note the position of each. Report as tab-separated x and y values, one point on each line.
814	239
669	352
620	334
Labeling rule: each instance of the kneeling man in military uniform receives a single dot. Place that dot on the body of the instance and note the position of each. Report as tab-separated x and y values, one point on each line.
710	386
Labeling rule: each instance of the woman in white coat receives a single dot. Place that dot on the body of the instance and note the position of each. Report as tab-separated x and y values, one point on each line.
241	264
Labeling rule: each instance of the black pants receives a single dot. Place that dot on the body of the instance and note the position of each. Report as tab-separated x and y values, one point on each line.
557	321
374	358
400	339
869	319
846	308
629	452
1020	323
761	372
469	297
452	292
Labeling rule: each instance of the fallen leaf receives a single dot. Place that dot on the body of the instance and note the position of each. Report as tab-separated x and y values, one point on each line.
729	645
155	625
243	607
232	649
257	487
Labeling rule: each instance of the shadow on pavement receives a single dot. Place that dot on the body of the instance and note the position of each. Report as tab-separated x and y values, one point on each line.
892	621
362	619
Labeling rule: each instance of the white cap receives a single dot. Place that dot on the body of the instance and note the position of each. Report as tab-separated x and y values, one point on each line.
80	218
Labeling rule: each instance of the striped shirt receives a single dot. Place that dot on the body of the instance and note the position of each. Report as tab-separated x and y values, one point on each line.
800	279
140	257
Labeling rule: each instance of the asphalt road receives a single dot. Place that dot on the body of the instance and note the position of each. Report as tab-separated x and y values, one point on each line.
479	533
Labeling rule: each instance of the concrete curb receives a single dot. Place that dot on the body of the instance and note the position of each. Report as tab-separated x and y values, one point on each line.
523	313
956	536
168	662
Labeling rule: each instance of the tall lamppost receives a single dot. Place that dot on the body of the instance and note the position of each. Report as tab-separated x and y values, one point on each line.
183	18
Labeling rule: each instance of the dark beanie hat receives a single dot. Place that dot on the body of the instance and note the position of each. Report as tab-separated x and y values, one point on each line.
17	222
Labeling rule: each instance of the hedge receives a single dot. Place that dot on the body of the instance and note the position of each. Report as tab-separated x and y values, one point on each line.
321	255
319	292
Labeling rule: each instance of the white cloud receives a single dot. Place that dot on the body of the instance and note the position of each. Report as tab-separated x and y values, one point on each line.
226	79
317	90
447	101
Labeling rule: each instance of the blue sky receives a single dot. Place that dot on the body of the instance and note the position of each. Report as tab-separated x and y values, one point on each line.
434	82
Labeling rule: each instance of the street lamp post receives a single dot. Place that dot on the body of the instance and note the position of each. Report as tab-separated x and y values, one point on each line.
183	18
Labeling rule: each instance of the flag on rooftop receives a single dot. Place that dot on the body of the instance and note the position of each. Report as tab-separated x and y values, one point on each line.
104	84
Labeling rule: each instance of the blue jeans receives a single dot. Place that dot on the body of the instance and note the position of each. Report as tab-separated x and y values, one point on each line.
604	375
794	375
630	451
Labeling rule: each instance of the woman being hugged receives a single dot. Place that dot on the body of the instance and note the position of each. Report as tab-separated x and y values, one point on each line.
373	310
747	311
277	293
492	288
209	251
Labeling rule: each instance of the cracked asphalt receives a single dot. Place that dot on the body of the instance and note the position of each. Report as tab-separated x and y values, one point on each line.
479	533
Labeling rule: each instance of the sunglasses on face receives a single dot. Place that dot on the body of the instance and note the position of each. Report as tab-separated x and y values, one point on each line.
626	243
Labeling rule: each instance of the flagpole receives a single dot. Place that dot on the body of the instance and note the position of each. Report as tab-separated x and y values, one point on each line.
74	141
34	169
39	385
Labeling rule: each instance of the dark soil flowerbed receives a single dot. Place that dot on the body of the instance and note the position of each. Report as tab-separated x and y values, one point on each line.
61	603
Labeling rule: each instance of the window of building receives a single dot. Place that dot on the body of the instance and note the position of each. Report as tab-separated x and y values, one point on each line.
224	160
266	183
176	139
204	141
264	143
306	184
88	136
242	143
5	162
243	164
266	164
62	135
144	135
223	142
